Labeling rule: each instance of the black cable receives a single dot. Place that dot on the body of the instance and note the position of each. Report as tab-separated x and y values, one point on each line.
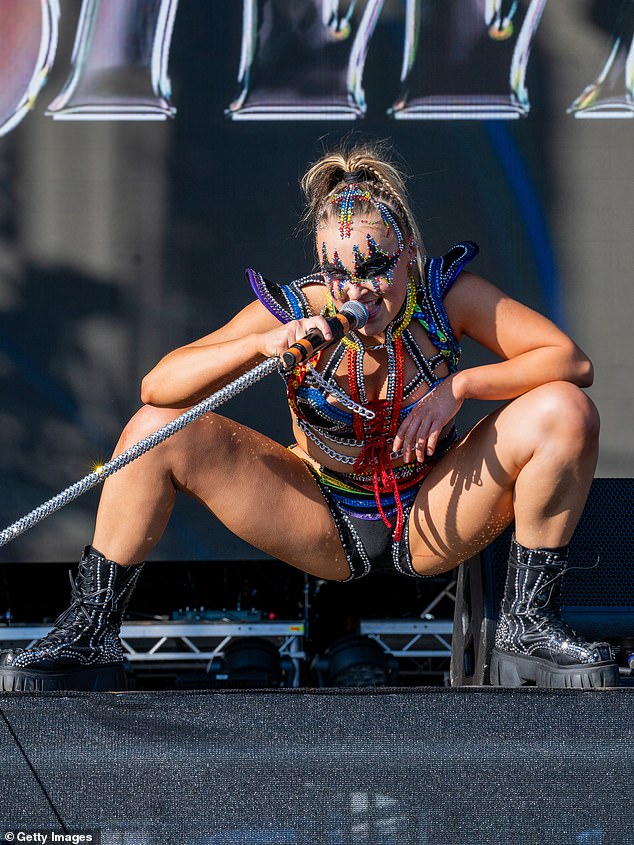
32	768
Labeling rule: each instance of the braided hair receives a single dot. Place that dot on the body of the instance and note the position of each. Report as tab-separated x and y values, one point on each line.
369	167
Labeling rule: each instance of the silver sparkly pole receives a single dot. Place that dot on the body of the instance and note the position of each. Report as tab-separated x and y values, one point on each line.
91	480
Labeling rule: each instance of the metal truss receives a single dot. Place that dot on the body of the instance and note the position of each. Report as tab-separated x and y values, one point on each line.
195	644
421	647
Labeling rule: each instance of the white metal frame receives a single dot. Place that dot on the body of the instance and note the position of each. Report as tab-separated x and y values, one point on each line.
169	643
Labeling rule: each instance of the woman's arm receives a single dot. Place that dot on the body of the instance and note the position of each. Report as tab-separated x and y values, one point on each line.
533	351
188	374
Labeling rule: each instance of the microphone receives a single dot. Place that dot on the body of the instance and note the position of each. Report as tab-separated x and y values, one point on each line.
353	315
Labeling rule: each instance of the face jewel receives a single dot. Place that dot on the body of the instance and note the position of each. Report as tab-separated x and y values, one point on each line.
377	263
345	200
390	222
374	266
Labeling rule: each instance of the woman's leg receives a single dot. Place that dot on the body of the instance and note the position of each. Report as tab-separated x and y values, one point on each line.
533	460
262	492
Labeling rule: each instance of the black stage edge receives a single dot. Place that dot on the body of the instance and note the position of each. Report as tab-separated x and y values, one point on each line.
427	765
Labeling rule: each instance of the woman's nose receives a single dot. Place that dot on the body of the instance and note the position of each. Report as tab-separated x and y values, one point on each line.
356	289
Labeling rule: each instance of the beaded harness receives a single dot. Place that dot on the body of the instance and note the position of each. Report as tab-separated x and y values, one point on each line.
370	425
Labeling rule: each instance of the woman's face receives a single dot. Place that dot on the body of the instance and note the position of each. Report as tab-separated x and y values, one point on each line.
365	265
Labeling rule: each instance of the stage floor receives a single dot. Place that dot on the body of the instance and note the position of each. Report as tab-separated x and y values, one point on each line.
421	765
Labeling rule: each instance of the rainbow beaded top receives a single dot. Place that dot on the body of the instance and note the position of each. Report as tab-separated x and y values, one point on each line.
423	304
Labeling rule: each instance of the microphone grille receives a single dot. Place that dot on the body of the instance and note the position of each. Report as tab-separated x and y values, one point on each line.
357	311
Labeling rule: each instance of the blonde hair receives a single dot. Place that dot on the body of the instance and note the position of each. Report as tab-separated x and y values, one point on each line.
374	171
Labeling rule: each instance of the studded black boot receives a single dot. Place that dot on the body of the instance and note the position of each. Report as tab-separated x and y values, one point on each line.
83	651
532	644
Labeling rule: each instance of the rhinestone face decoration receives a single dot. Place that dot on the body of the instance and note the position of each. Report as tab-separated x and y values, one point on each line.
375	266
345	200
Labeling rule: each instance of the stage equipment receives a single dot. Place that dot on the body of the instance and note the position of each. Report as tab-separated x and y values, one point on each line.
252	663
165	648
355	661
597	598
421	648
203	614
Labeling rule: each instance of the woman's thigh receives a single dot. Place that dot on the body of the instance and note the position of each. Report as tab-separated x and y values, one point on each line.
464	502
533	460
261	491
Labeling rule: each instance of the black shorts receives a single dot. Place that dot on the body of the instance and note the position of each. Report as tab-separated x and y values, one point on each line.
369	544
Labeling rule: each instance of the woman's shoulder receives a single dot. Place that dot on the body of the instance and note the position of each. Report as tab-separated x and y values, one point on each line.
303	297
431	311
442	271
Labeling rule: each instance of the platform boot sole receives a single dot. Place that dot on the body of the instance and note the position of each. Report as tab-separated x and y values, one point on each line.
107	678
516	670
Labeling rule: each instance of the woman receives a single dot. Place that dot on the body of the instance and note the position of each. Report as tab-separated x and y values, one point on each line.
377	478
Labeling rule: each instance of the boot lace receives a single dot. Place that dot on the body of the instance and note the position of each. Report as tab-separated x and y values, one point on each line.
550	610
77	615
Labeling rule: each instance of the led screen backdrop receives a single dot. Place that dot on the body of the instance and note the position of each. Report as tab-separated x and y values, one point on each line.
150	151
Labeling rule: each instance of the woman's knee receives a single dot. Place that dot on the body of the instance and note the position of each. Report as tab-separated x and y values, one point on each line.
147	420
210	442
562	409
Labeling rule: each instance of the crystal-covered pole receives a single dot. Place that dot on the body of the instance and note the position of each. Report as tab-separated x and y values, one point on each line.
91	480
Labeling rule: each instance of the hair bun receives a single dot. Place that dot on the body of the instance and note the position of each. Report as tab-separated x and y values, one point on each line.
351	176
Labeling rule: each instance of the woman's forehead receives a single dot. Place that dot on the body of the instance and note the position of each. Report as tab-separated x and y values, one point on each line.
361	226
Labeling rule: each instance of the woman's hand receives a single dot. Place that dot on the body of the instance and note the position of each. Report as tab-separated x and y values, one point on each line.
187	374
277	341
420	431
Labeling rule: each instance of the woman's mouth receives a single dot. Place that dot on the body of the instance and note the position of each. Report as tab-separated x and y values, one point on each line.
373	308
